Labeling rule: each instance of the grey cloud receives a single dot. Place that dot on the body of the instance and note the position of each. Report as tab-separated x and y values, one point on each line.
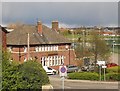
87	13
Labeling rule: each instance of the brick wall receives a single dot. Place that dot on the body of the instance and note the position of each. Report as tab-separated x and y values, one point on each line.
67	53
3	40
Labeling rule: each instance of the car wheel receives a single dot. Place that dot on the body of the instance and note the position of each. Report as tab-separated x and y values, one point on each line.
54	72
75	71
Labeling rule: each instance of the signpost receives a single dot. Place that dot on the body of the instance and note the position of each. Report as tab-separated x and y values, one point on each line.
104	67
101	63
63	73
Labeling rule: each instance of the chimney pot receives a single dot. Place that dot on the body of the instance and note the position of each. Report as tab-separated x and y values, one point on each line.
39	27
55	25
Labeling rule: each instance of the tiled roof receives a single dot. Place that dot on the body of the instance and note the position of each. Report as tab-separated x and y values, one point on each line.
19	36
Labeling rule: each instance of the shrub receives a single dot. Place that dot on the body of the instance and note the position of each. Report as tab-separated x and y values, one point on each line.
83	76
31	69
113	76
115	69
29	75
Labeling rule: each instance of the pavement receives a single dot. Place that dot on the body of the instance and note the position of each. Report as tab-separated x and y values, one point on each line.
48	87
89	81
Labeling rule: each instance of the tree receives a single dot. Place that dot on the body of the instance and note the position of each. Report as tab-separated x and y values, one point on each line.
29	75
99	47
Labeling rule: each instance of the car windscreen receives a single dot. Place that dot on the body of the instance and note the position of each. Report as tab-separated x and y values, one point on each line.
49	68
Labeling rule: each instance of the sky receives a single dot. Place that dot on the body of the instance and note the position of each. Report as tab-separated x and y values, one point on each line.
69	14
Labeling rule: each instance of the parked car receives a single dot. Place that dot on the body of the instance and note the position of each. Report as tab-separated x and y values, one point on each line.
87	68
111	65
49	70
72	68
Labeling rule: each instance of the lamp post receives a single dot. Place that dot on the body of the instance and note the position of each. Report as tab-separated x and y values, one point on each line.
28	45
113	50
72	37
83	41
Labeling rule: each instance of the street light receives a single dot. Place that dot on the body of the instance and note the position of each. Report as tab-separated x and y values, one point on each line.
83	41
113	50
72	37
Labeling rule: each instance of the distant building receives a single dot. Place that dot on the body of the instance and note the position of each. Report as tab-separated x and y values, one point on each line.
45	45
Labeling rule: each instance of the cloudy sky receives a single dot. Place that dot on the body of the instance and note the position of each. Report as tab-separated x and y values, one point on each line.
69	14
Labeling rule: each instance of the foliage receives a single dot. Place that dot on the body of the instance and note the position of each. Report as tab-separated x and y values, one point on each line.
29	75
99	46
83	76
115	69
32	69
113	76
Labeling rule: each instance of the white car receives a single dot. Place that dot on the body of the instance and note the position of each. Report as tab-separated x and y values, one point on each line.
49	70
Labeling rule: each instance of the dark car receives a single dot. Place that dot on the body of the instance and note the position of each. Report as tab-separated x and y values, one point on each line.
72	68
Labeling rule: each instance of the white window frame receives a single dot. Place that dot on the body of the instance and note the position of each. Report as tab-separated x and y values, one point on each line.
48	48
36	49
25	49
40	48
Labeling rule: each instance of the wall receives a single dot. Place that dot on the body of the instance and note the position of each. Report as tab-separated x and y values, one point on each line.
19	55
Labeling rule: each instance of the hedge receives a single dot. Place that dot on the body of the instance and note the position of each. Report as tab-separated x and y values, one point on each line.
83	76
29	75
115	69
113	76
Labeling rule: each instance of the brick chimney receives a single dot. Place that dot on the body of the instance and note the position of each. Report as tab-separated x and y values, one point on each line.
39	27
55	25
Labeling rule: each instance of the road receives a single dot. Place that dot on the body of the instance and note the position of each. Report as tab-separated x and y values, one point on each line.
56	82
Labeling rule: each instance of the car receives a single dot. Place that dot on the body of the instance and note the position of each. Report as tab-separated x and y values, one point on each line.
49	70
111	65
87	68
72	68
84	68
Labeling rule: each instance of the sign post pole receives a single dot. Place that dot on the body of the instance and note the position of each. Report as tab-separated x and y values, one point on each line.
104	67
63	73
63	83
100	63
104	74
100	72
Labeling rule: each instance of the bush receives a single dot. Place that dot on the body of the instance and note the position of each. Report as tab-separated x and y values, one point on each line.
113	76
83	76
29	75
32	69
115	69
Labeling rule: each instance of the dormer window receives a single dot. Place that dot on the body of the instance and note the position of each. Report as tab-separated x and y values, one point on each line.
10	49
25	49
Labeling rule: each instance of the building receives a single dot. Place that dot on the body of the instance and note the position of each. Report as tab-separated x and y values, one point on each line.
3	32
40	43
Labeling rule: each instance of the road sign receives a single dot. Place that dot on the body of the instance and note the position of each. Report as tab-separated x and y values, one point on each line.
104	66
63	70
101	63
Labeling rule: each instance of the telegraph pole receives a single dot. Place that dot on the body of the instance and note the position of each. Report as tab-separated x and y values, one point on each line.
28	45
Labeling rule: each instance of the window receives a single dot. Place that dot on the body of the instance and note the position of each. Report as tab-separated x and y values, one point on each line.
48	48
36	49
54	48
39	48
42	48
10	49
57	48
25	49
52	60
